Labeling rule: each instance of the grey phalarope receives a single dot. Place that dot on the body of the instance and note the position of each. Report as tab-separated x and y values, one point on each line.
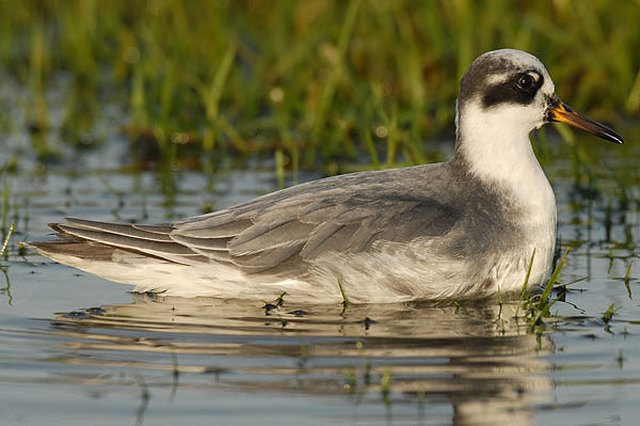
459	229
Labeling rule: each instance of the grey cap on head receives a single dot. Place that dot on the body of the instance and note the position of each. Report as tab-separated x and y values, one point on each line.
494	68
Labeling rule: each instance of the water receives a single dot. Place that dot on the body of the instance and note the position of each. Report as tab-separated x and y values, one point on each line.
76	349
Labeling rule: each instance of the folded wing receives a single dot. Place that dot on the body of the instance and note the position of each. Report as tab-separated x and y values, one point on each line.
279	232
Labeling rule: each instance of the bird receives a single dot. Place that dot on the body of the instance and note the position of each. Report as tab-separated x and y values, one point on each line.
471	227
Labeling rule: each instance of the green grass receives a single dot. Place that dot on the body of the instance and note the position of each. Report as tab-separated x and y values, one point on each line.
324	83
5	242
6	193
627	279
607	315
330	85
537	307
385	384
6	232
345	300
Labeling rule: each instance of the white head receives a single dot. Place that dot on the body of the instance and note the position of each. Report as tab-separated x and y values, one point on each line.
504	95
507	83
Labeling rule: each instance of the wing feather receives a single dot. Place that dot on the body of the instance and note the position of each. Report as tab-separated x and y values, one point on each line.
283	231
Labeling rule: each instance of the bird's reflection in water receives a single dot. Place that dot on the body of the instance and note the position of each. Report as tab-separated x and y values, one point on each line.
477	357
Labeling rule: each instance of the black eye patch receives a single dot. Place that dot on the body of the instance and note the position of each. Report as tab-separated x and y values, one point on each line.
520	88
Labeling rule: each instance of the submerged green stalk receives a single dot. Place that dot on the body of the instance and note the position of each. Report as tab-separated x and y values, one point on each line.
5	205
607	315
5	243
345	299
385	384
538	306
627	278
525	284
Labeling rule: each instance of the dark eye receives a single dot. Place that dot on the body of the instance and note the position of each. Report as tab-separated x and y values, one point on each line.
525	82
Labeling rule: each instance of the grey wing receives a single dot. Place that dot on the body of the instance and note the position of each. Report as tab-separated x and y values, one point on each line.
276	236
276	233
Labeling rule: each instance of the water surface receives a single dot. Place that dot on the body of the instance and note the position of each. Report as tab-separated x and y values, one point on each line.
76	349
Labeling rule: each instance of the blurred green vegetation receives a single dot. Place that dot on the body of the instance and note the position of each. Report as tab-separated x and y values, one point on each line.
311	83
